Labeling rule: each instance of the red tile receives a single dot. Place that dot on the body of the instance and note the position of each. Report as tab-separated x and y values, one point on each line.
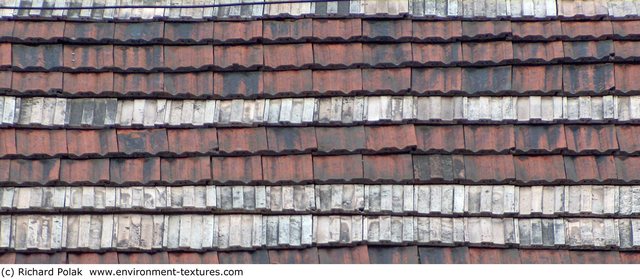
345	168
436	54
628	138
37	82
188	57
337	29
344	255
627	168
388	168
138	32
595	257
142	141
545	257
41	142
237	31
244	257
387	81
625	78
143	258
240	84
538	52
38	31
387	54
591	138
89	32
630	257
192	141
7	142
287	30
242	140
337	55
487	52
236	169
287	82
593	78
5	165
92	142
437	30
590	169
540	138
5	81
6	29
186	170
391	137
188	84
34	171
489	168
8	258
340	139
138	58
288	56
393	255
387	29
291	139
188	32
539	169
295	168
486	79
135	171
537	79
489	138
88	83
37	57
86	171
337	81
626	29
239	56
293	256
447	138
438	168
536	30
5	55
444	255
193	258
493	256
485	29
587	29
436	80
41	258
87	57
93	258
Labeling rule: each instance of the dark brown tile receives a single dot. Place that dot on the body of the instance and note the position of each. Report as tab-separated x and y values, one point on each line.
143	258
344	255
590	50
230	170
437	31
238	57
536	30
37	57
489	168
486	80
41	142
628	138
291	139
388	168
38	31
340	139
244	257
625	78
544	256
5	80
7	142
537	79
591	138
593	78
138	58
294	168
88	57
493	256
88	83
540	138
436	80
444	255
193	258
447	138
583	30
627	168
189	84
287	82
387	81
89	32
487	52
34	171
438	168
185	170
8	258
288	56
387	54
5	55
135	171
396	30
630	257
139	32
590	169
188	32
595	257
629	29
287	30
142	141
539	169
41	258
390	137
37	82
294	256
192	141
337	29
339	169
84	171
538	52
486	29
93	258
242	140
337	81
393	255
237	31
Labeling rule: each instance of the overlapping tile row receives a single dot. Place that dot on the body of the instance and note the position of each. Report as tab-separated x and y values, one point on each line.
110	112
418	200
402	168
520	139
308	30
201	232
570	80
375	8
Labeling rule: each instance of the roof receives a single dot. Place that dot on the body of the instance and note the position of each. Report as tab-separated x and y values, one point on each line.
378	132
